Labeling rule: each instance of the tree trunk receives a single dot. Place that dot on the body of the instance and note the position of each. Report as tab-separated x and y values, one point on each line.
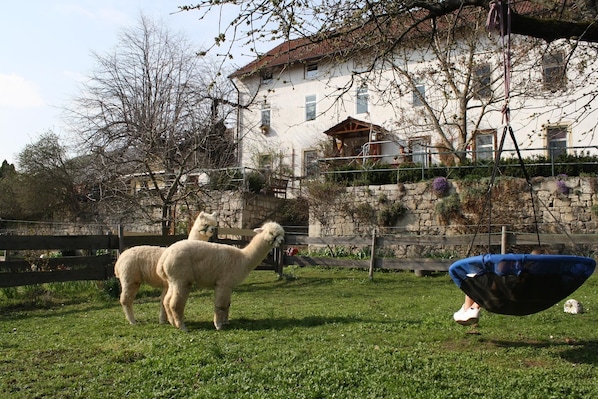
166	220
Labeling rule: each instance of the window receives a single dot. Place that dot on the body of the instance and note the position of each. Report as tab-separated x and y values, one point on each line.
419	94
311	70
553	71
556	137
419	151
484	145
266	114
362	100
482	82
310	163
310	107
266	77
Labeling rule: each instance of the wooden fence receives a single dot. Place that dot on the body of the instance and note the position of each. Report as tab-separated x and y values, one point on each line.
501	240
23	271
102	253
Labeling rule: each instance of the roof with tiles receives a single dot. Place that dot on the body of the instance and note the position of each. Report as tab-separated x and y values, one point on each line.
337	43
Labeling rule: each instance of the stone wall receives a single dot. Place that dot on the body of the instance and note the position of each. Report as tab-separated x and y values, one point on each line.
243	210
234	209
359	209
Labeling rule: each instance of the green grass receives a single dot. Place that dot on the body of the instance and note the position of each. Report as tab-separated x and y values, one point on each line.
321	334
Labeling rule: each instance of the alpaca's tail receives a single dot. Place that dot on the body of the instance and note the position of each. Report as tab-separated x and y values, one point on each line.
160	270
117	270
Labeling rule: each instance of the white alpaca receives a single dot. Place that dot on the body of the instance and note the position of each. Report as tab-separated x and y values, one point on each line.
137	265
203	227
211	265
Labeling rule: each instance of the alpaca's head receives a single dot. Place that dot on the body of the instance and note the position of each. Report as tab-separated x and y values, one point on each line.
205	224
272	233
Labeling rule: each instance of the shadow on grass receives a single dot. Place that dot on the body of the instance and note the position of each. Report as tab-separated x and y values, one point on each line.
582	352
285	323
243	324
300	283
20	311
570	350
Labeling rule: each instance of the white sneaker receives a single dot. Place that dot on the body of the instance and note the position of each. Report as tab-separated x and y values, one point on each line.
466	317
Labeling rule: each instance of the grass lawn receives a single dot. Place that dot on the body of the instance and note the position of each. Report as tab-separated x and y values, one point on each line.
318	333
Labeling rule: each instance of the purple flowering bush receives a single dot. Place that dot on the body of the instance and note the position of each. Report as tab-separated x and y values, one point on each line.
562	187
440	186
561	184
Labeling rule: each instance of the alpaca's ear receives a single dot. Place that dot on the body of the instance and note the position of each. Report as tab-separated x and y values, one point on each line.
258	230
213	214
201	213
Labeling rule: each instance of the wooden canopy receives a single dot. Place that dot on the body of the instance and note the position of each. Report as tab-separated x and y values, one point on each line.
353	128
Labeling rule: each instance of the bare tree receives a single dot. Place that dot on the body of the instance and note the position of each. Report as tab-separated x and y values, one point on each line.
453	71
255	21
153	116
388	32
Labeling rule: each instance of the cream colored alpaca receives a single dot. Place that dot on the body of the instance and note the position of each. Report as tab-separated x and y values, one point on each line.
211	265
203	227
137	265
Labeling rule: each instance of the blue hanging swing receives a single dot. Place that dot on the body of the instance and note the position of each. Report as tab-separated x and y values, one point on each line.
517	284
520	284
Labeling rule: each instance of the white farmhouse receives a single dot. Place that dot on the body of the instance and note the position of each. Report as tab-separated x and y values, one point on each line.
434	99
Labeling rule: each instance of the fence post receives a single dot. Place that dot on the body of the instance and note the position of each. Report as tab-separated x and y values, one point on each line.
503	240
121	239
279	258
373	254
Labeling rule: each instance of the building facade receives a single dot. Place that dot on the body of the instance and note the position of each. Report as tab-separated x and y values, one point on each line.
430	101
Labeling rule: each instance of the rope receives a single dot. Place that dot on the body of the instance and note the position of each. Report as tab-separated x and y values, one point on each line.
499	20
529	183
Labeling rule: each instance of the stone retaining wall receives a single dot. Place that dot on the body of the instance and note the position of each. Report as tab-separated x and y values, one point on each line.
243	210
360	210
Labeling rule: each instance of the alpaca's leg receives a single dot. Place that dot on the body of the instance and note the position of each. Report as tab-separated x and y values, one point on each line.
166	305
127	295
222	297
163	315
178	299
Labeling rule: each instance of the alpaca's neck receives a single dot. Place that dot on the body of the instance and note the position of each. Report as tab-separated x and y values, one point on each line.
255	252
195	234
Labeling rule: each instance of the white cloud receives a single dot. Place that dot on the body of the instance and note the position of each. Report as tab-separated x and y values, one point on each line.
18	92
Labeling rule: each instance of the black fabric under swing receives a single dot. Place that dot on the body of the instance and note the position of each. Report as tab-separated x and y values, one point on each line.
517	284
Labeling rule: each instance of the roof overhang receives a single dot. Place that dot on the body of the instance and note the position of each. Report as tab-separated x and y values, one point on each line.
351	127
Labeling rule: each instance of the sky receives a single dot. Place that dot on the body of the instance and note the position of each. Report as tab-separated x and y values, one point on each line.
46	52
